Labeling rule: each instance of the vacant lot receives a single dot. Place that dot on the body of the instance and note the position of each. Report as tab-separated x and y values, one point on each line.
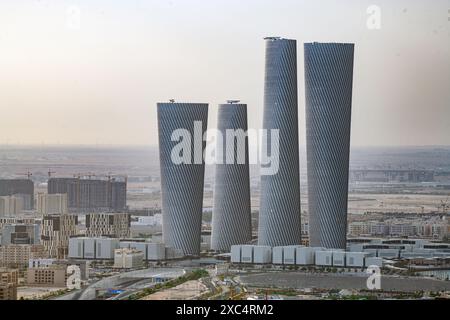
298	280
187	290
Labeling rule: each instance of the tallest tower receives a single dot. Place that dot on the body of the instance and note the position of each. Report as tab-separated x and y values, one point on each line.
279	216
328	82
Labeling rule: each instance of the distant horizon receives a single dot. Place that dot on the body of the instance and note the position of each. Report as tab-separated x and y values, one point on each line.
302	146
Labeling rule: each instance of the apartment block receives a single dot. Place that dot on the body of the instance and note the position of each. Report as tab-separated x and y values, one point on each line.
52	203
11	206
113	225
128	258
55	233
51	276
8	284
18	256
20	234
91	195
22	188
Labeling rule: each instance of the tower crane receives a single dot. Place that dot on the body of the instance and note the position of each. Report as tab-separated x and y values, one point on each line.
50	172
28	174
444	204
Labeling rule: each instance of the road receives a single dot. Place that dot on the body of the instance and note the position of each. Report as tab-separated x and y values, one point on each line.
130	282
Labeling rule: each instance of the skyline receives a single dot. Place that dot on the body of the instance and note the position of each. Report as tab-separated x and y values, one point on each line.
130	53
224	150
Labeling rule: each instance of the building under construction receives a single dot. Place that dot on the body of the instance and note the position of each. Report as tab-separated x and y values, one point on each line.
23	188
91	195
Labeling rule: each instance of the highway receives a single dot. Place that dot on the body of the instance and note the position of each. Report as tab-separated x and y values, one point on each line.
130	282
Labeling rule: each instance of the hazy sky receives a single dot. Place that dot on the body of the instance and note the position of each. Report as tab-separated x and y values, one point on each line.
96	77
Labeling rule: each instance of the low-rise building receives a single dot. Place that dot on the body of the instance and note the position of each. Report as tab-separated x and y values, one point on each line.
289	253
104	248
156	251
358	228
374	261
434	227
52	203
306	255
8	284
388	253
40	262
154	220
20	234
113	225
247	254
338	258
92	248
51	276
15	220
173	253
235	254
18	255
56	230
277	255
262	254
324	258
356	259
8	291
138	245
128	258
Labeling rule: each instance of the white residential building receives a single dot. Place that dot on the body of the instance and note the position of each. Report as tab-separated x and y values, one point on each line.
52	203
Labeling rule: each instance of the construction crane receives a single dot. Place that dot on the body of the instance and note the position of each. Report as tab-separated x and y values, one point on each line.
110	176
28	174
89	175
50	172
444	205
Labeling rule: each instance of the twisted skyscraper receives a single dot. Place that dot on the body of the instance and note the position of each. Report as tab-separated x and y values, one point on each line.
279	217
231	220
328	82
181	128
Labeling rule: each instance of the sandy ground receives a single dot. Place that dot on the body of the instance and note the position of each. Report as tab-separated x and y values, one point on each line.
35	292
187	290
358	202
